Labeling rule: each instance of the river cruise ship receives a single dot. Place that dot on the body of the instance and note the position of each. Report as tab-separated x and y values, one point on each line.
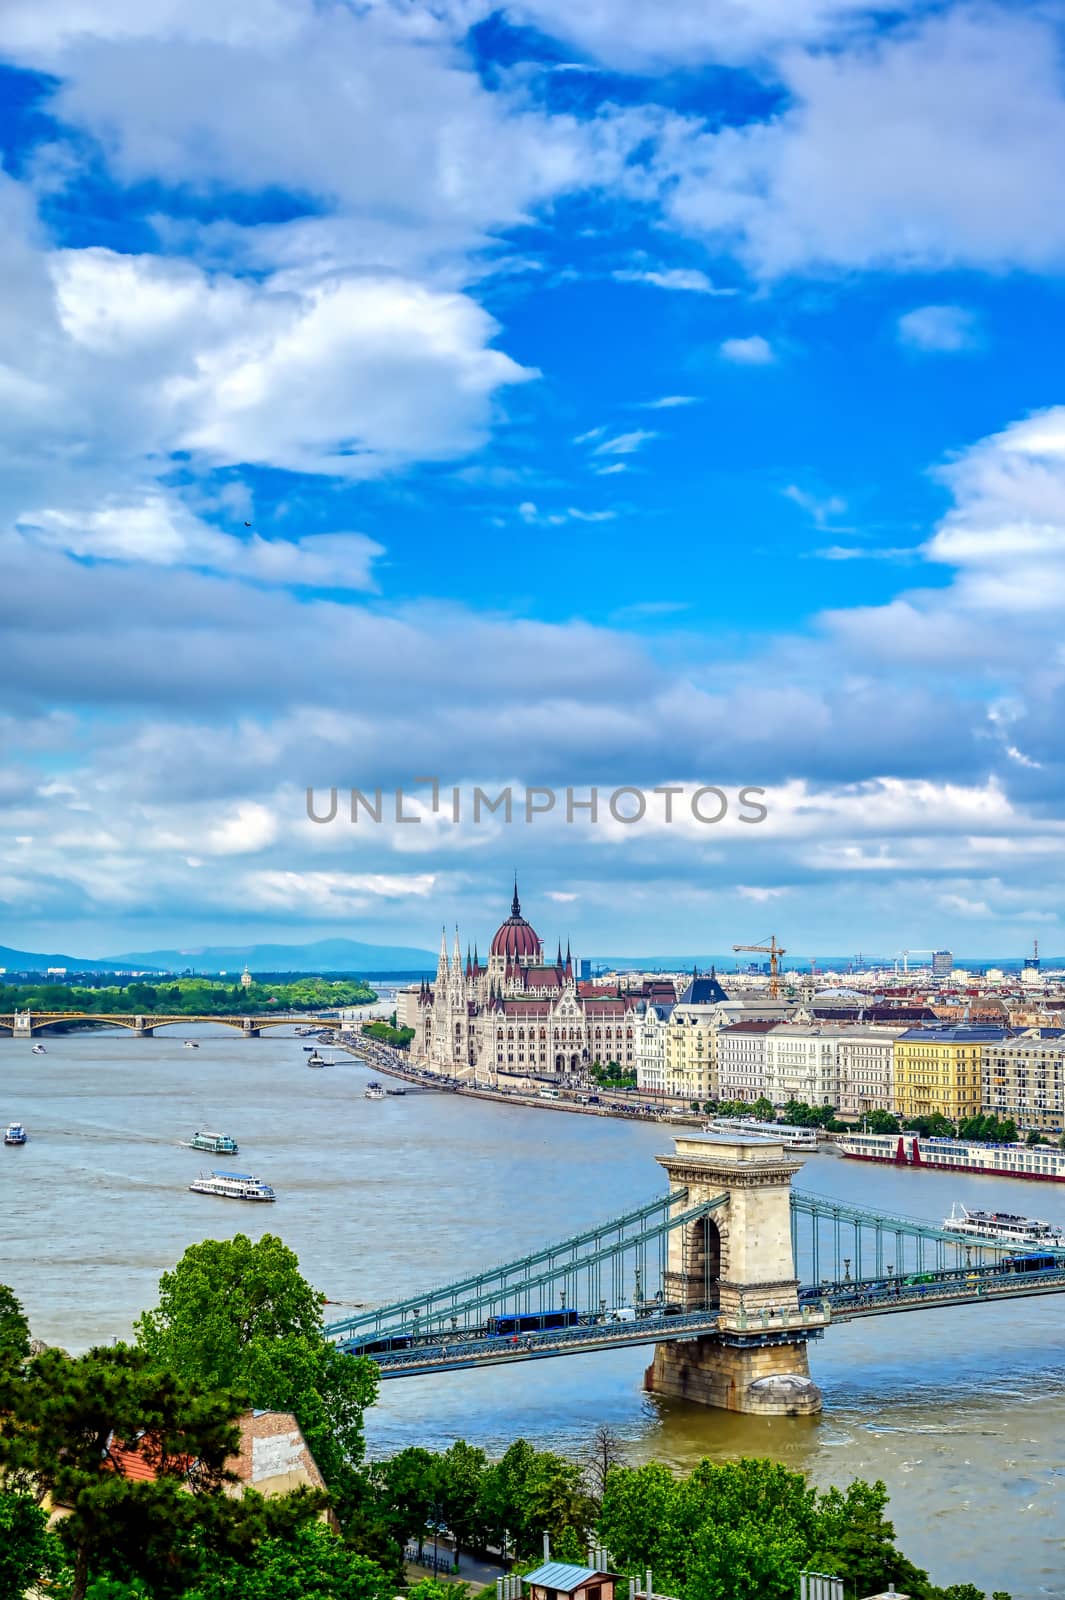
1037	1161
1004	1225
784	1133
213	1144
232	1186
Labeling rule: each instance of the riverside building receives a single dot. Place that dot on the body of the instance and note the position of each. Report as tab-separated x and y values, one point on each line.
940	1070
1024	1078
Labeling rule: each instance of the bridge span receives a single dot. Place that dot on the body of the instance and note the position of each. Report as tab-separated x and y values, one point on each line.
24	1024
728	1276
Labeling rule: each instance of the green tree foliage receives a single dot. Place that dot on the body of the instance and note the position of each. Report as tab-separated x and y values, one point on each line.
433	1589
188	996
14	1333
233	1314
311	1564
398	1038
57	1435
744	1530
29	1553
528	1493
880	1122
988	1128
763	1109
937	1126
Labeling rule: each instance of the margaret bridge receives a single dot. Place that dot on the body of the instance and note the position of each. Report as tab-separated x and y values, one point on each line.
728	1276
24	1024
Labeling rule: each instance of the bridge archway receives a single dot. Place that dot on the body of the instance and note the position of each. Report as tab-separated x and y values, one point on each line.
702	1265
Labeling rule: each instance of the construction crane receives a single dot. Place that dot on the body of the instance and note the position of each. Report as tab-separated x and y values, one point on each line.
774	951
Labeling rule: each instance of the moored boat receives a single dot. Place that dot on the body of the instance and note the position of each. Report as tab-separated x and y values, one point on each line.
316	1060
795	1138
15	1133
1004	1225
213	1144
1037	1161
232	1186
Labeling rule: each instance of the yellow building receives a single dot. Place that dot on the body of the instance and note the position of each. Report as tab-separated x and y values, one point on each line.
939	1070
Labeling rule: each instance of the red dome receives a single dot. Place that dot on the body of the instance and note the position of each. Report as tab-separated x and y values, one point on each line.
515	940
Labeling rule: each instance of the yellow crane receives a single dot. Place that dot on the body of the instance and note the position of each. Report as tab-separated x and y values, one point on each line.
774	951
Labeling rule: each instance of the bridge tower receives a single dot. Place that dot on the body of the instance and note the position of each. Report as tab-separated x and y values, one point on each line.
249	1029
22	1025
739	1261
142	1028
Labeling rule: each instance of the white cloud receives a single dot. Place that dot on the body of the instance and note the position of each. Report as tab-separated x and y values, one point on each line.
611	470
751	352
251	828
669	401
946	328
635	36
625	444
159	531
822	508
926	147
848	552
686	279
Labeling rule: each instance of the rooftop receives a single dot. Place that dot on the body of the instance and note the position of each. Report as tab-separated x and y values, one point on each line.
563	1575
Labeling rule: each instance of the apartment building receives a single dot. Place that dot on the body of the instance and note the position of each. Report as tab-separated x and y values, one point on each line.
867	1070
740	1060
652	1023
802	1063
1024	1078
940	1070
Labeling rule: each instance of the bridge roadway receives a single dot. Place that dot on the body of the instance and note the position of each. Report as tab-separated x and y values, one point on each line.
840	1302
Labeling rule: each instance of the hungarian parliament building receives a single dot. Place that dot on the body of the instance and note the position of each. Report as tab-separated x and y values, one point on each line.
519	1014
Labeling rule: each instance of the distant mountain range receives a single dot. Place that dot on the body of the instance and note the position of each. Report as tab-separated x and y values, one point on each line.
351	955
324	955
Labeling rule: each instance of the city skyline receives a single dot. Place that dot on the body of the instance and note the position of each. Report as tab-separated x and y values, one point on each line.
538	397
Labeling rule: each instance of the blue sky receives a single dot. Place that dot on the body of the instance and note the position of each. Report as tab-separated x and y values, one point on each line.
532	395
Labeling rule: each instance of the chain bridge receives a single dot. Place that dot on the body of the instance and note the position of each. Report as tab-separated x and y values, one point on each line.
728	1276
24	1024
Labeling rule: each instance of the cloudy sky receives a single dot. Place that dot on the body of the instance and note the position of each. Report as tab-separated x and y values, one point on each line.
600	394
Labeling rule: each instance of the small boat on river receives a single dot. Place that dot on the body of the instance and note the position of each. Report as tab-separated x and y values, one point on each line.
232	1186
15	1133
316	1060
213	1144
374	1091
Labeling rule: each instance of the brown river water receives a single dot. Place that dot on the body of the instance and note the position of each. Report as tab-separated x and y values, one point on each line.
961	1412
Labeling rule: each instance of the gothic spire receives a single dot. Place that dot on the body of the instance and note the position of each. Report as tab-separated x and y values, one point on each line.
515	904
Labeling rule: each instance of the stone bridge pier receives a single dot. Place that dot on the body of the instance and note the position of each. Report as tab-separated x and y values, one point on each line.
22	1025
738	1260
142	1029
249	1029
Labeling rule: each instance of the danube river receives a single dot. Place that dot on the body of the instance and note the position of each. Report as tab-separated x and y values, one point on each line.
961	1412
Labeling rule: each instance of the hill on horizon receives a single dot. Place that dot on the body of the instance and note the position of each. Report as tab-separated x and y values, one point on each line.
322	955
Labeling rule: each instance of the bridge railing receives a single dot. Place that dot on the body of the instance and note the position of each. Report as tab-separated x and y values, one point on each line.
833	1241
584	1266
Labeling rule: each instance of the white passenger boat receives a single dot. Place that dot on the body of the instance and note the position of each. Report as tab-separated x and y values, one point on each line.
1038	1161
191	1044
15	1133
213	1144
232	1186
1004	1225
39	1050
316	1060
785	1133
374	1091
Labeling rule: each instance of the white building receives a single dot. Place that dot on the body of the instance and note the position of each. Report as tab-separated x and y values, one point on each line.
867	1070
651	1027
741	1060
802	1064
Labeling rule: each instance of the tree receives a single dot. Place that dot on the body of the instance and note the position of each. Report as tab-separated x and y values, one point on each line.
605	1450
57	1437
460	1479
763	1109
29	1553
14	1332
311	1564
880	1122
237	1314
406	1486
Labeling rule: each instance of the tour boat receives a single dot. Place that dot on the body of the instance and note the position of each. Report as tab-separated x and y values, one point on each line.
316	1060
374	1091
794	1138
1039	1161
1003	1225
191	1044
214	1144
39	1050
15	1133
232	1186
